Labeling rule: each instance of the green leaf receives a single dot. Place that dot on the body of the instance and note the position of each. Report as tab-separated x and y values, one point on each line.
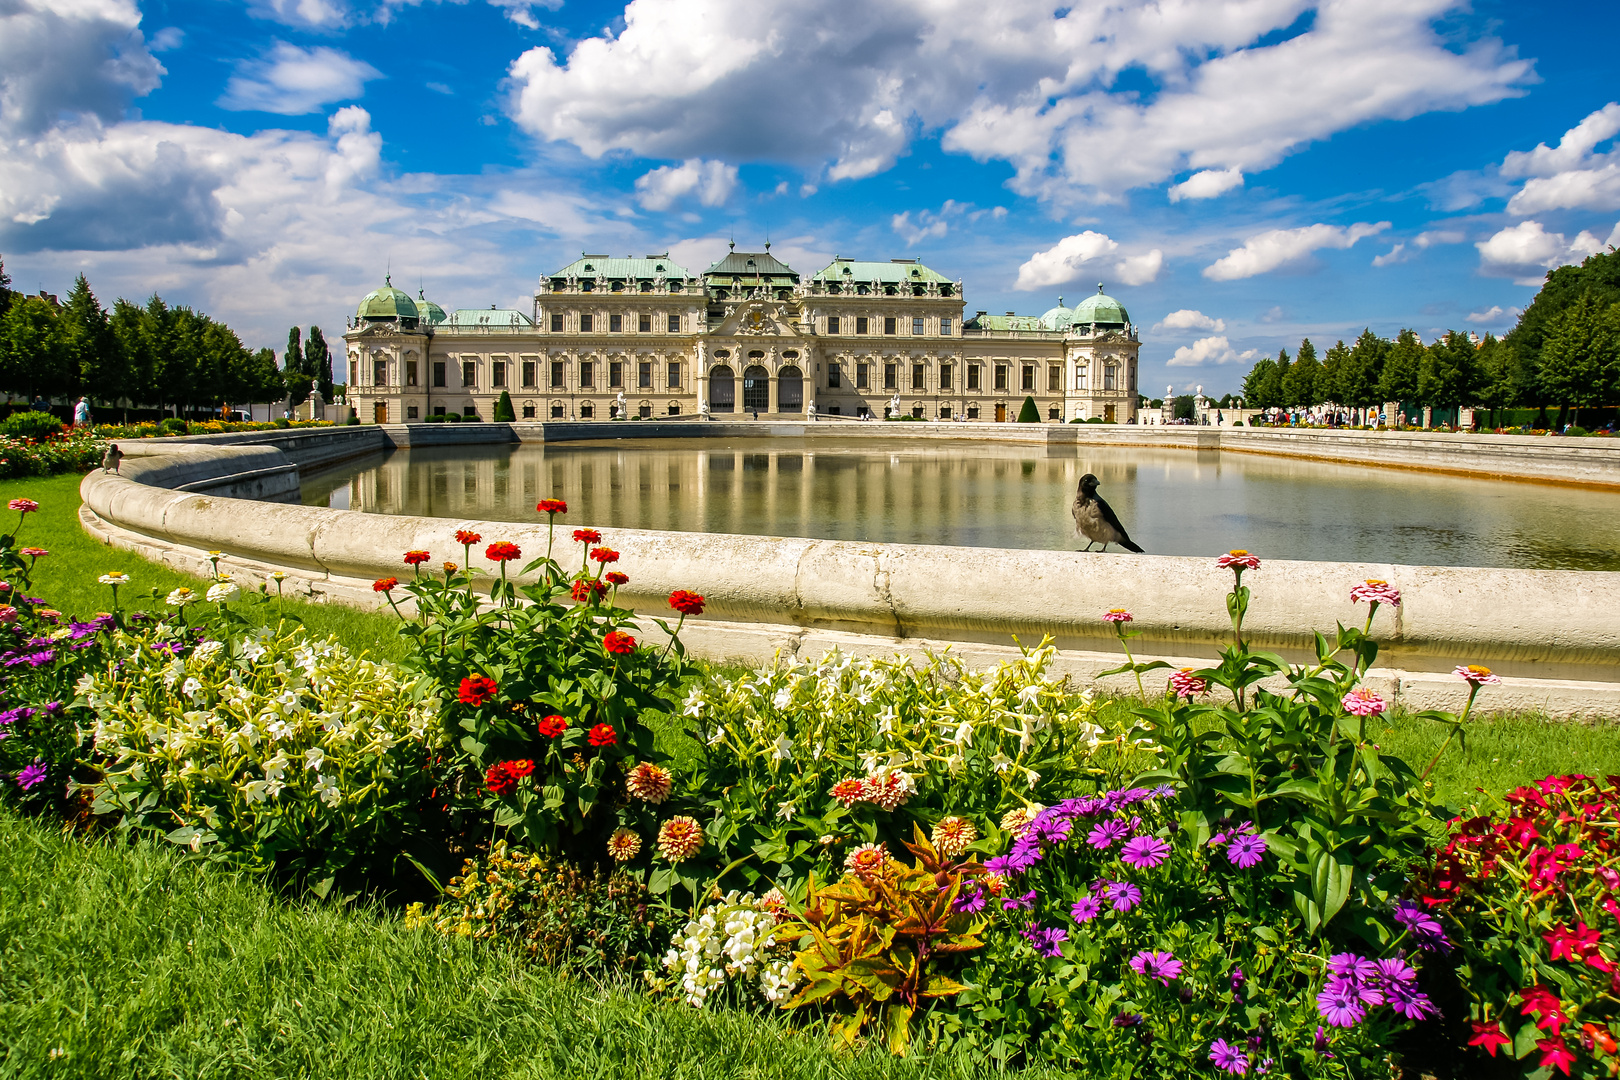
1330	883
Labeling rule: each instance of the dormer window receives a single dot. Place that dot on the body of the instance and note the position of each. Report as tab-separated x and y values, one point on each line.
590	269
659	268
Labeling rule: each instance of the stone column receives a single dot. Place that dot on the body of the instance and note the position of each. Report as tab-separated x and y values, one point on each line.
774	404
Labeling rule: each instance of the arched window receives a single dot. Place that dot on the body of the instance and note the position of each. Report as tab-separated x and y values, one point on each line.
756	389
722	390
790	390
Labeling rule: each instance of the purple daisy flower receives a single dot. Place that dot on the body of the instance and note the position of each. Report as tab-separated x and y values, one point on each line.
1019	903
32	775
1127	1019
999	865
1162	966
1051	828
1246	851
971	899
1047	942
1086	908
1106	833
1163	791
1394	970
1406	999
1145	852
1122	894
1425	928
1339	1006
1228	1058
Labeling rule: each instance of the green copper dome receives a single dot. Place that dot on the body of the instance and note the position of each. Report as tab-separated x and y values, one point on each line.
430	313
1059	317
1101	310
387	303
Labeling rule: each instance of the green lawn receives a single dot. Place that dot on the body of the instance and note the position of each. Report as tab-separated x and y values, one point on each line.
134	961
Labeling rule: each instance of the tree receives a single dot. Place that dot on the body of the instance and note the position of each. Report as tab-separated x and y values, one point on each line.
1496	362
93	353
1029	414
1275	395
1330	383
1578	355
1450	374
1598	274
31	355
1358	377
292	368
318	361
255	379
1399	379
1256	382
1299	385
504	414
5	289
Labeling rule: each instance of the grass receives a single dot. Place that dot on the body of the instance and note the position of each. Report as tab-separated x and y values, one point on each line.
130	961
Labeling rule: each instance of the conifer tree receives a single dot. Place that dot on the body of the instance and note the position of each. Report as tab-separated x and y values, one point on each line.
1578	355
318	361
292	368
1358	381
1299	384
1399	379
1029	414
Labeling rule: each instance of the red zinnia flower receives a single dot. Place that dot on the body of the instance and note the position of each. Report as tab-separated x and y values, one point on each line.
586	590
24	506
520	768
384	584
849	791
1186	684
619	643
603	735
502	552
587	536
687	603
552	506
553	726
605	555
616	578
466	538
416	558
498	780
477	689
1488	1037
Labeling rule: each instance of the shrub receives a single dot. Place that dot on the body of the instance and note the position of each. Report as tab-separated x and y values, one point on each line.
1576	429
552	911
271	751
1029	414
503	409
1094	419
1530	886
31	425
172	426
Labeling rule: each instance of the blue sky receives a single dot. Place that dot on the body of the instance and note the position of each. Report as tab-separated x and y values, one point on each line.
1241	175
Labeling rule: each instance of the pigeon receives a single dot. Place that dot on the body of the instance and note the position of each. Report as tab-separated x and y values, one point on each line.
111	457
1095	520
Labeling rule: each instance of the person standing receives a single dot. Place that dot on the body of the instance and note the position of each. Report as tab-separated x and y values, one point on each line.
81	413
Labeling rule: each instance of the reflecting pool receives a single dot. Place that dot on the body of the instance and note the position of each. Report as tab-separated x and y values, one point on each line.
1173	502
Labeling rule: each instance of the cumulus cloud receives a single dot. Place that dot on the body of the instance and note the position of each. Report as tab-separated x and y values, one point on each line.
1209	350
930	224
1207	184
60	61
337	14
1573	175
712	182
292	81
1524	250
1188	319
1015	81
1279	247
1495	315
1083	253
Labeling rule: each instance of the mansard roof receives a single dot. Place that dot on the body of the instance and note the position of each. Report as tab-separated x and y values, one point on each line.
490	318
590	266
893	272
752	265
1009	321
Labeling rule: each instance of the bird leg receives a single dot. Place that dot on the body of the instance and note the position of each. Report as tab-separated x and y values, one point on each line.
1088	545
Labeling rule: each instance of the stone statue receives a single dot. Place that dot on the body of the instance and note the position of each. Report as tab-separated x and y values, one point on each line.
894	405
810	409
620	407
703	408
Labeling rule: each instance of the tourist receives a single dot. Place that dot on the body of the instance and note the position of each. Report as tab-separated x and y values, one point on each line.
81	413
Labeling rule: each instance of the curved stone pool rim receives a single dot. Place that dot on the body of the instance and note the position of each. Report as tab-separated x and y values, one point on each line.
1553	634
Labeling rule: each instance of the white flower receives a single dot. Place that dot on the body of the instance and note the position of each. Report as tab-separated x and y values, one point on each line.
783	698
222	592
254	791
694	703
181	597
964	734
1000	762
1030	693
205	653
786	810
782	749
115	577
719	735
314	758
274	767
327	789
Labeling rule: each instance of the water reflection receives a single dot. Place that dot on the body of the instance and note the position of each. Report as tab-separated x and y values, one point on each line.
998	496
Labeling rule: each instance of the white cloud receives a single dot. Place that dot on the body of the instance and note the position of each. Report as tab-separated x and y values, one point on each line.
1012	81
1521	251
86	60
440	88
1070	257
1573	150
1394	255
522	11
1188	319
1577	189
1207	184
292	81
927	225
1571	175
1279	247
1209	350
167	40
1422	241
711	181
1495	315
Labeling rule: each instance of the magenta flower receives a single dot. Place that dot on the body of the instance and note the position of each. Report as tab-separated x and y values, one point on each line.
1186	684
1406	999
1246	851
1086	908
1105	833
1373	591
1228	1058
1162	966
1340	1006
1238	558
1047	942
24	506
32	775
1145	852
1363	702
1425	928
1475	675
971	899
1118	615
1019	903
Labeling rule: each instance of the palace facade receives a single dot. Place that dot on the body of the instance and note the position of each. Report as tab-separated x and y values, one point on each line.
749	335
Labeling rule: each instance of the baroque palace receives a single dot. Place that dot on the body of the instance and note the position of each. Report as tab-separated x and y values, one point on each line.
649	338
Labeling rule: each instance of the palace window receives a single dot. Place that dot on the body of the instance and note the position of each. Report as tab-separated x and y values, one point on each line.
557	374
412	412
917	327
834	377
861	324
615	324
585	323
470	412
644	411
410	373
1028	382
863	376
644	324
944	376
556	322
917	376
497	374
888	324
469	373
891	376
615	374
1108	376
438	373
975	378
438	410
945	327
587	374
973	412
674	375
1132	376
354	373
557	410
587	411
944	412
528	373
674	324
1053	414
1081	374
674	408
1001	376
1054	379
528	412
832	324
379	373
644	375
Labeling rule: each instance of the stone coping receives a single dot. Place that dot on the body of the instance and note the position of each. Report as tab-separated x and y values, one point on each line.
1553	633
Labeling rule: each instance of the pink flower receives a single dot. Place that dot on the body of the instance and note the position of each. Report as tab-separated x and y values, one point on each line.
1186	684
24	506
1477	675
1118	615
1363	702
1239	558
1162	966
1374	591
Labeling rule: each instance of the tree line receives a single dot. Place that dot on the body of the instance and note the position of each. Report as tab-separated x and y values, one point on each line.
1564	352
151	354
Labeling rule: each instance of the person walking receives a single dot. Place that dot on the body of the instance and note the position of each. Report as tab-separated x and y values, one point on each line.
81	413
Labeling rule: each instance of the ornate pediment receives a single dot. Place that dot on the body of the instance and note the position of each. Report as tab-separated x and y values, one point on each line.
757	318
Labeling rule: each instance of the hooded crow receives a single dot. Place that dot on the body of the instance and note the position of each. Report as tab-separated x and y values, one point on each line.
1095	520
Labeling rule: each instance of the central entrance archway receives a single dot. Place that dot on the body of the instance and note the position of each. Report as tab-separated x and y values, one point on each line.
756	389
790	390
722	390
